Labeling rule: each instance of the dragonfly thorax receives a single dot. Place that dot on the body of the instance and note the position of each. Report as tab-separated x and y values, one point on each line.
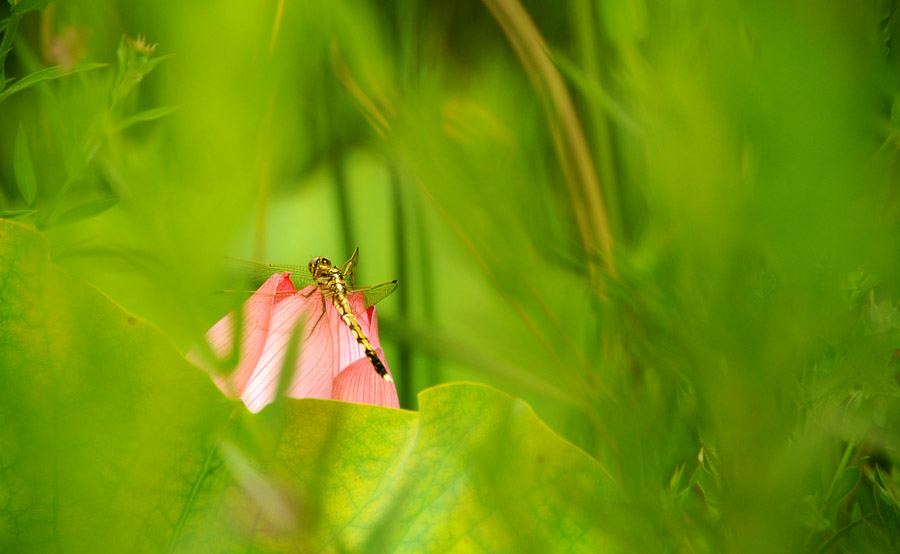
328	277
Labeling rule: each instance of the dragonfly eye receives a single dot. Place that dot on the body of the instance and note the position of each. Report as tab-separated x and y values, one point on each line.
315	263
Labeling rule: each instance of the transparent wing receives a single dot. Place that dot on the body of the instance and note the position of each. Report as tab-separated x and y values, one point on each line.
256	272
376	293
349	268
248	293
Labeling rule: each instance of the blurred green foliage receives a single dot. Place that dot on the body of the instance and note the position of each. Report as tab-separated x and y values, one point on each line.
670	226
131	448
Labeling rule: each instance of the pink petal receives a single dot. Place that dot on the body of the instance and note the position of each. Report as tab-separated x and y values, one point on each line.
360	383
255	328
329	348
315	368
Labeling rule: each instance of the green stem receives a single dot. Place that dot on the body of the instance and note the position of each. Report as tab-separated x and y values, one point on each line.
845	459
584	18
343	199
6	43
426	281
402	249
841	467
89	144
92	146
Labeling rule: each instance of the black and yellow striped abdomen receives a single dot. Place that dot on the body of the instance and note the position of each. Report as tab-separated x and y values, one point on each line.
343	308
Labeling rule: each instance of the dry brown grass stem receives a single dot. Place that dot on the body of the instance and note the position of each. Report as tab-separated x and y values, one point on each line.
585	194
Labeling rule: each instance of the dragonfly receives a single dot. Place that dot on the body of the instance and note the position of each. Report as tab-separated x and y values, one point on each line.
333	284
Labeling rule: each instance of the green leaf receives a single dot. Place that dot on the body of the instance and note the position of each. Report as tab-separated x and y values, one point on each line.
4	23
592	90
475	467
886	503
845	483
109	438
23	167
9	214
28	5
86	210
838	535
105	430
146	115
9	32
44	75
808	511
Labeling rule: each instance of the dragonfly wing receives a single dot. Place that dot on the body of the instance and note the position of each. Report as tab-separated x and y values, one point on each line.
376	293
258	272
248	293
349	268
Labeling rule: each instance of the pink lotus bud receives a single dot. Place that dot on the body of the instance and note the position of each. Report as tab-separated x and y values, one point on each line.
331	364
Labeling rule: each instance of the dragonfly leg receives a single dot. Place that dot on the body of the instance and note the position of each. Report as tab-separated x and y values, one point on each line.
322	313
310	293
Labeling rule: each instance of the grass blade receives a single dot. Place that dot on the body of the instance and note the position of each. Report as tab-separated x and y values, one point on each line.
146	115
86	210
45	75
826	546
10	214
28	6
585	193
10	27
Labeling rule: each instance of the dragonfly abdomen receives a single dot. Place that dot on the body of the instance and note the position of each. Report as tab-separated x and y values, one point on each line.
343	308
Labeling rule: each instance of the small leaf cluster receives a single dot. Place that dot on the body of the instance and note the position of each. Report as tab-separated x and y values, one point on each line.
41	205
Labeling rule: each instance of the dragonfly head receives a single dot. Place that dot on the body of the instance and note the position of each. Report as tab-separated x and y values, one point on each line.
319	266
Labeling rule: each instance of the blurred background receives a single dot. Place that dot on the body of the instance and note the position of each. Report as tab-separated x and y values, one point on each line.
670	226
